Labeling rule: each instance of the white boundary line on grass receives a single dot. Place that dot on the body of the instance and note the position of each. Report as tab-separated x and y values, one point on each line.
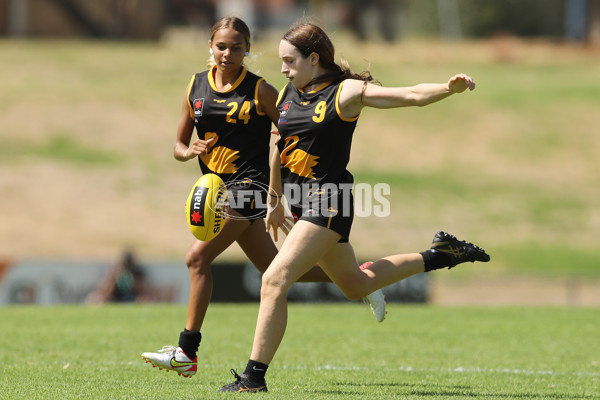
470	370
406	368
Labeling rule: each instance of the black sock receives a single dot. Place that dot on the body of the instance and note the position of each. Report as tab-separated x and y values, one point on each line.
435	260
256	371
189	341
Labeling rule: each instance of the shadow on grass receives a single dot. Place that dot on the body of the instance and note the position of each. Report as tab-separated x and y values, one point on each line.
446	391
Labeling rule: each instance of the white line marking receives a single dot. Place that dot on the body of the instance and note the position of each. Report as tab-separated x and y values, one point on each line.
464	370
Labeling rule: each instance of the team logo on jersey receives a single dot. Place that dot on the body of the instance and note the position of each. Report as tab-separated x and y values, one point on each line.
221	160
297	160
198	107
286	108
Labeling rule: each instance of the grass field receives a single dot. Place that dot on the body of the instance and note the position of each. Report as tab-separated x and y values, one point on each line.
86	134
329	352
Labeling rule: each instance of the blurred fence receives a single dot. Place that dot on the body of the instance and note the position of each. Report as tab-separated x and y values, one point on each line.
67	282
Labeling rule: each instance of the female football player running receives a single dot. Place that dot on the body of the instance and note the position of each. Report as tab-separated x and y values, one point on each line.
319	109
232	111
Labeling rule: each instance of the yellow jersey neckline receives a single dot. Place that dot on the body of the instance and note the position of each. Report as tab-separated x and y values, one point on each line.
318	88
211	80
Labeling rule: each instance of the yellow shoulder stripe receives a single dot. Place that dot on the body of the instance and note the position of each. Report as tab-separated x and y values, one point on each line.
281	93
189	90
256	101
337	106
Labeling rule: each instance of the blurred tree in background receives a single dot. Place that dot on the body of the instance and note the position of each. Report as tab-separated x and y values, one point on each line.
575	20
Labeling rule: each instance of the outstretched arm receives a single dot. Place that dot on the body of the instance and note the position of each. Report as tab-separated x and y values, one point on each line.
355	95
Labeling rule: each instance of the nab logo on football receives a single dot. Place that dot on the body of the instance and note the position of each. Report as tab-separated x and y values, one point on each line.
197	206
205	208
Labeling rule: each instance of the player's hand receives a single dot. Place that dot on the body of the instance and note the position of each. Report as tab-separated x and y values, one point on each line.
198	147
277	219
275	133
460	82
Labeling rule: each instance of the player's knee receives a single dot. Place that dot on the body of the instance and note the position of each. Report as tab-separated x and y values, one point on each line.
273	285
197	262
270	281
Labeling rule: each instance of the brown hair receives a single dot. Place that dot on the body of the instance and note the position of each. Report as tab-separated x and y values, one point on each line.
231	23
309	38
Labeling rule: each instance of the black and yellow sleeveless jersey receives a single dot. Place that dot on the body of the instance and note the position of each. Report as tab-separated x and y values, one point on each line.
241	133
315	138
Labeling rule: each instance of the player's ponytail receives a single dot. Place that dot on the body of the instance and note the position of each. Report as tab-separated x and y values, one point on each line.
309	38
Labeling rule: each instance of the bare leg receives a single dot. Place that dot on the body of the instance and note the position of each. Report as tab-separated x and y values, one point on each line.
254	241
198	259
305	244
258	245
356	283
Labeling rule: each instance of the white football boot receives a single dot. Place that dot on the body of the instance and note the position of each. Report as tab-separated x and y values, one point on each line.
375	300
171	358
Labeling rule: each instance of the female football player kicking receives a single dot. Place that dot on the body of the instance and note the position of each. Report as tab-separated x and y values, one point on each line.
232	110
319	109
